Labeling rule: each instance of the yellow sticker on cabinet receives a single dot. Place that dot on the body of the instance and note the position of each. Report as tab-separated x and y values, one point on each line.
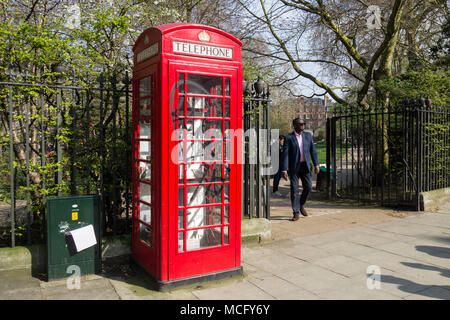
75	215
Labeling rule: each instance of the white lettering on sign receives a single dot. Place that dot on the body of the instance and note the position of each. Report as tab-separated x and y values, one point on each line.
147	53
202	50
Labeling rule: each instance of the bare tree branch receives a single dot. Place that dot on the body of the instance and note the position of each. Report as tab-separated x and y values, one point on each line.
33	6
385	50
292	60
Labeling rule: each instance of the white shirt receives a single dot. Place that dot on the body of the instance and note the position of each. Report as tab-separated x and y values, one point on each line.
300	143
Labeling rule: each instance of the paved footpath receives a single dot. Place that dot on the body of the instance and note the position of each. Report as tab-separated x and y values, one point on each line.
335	253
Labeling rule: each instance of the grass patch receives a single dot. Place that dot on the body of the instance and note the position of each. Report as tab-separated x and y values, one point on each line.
321	149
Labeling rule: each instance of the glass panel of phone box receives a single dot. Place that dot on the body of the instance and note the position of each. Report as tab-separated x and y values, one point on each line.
146	102
203	119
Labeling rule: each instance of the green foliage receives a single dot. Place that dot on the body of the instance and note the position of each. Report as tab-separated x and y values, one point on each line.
252	70
431	83
25	44
436	134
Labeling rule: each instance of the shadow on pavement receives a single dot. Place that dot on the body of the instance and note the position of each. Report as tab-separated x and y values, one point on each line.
436	291
441	252
443	272
440	239
440	292
139	282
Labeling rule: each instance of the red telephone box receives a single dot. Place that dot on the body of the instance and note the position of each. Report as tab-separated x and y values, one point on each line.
187	102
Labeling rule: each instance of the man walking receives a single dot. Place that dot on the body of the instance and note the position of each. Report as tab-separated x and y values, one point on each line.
297	153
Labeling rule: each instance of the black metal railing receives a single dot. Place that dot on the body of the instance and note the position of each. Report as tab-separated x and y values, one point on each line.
257	146
79	142
66	140
389	155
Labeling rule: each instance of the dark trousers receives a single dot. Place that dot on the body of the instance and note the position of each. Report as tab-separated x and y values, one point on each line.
276	181
297	201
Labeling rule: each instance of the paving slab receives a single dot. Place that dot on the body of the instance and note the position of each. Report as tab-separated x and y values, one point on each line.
380	232
123	289
366	239
409	268
276	263
304	252
433	293
297	294
278	287
347	248
389	282
17	279
89	289
22	294
324	238
243	290
411	250
342	265
252	272
83	294
315	279
432	219
387	260
407	228
346	294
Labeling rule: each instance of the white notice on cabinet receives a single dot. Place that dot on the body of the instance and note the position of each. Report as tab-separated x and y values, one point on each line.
84	237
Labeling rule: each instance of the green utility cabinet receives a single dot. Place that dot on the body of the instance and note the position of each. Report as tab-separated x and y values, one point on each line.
66	214
321	182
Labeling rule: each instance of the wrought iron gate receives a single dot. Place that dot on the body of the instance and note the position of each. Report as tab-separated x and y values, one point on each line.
389	155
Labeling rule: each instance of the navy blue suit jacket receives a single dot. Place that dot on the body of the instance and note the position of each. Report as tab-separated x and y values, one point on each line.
291	152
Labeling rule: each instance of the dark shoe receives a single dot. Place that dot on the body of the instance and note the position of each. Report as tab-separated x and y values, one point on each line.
295	217
303	212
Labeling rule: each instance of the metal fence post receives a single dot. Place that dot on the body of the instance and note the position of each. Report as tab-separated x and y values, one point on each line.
11	162
251	169
59	144
258	162
73	175
102	152
43	148
27	160
333	157
114	153
269	152
419	156
127	139
328	152
88	143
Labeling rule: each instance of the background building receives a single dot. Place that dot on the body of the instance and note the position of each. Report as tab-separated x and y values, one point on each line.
314	111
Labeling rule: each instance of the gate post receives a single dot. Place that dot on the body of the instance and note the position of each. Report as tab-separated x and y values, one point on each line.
419	147
328	149
333	155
